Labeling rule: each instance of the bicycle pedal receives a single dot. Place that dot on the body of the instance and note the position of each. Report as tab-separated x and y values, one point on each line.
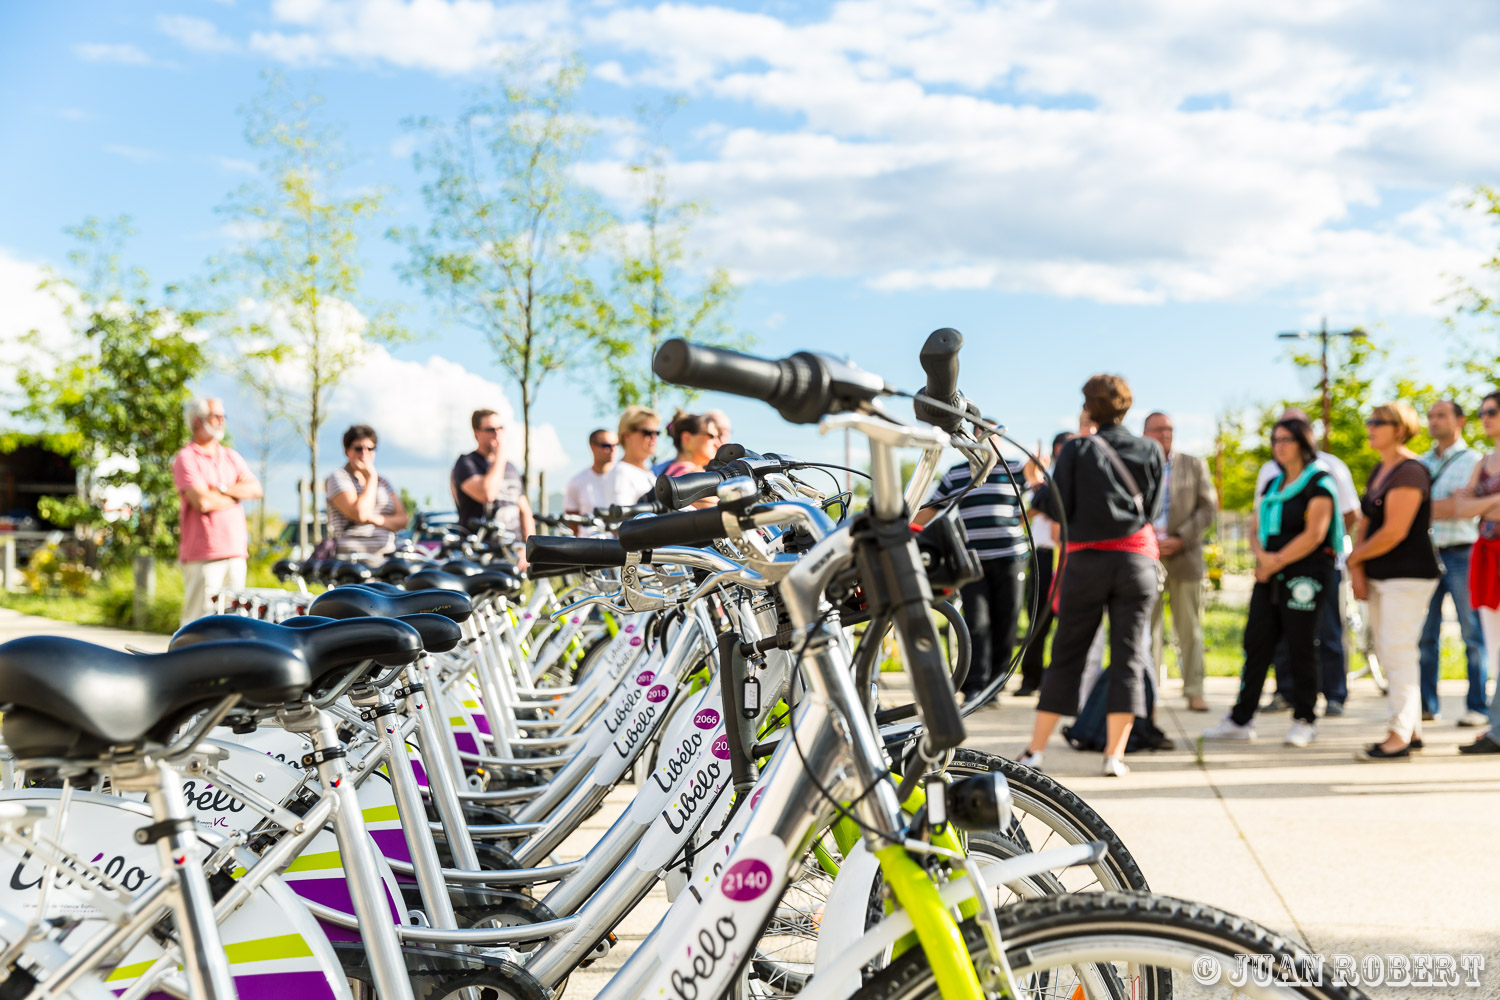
599	951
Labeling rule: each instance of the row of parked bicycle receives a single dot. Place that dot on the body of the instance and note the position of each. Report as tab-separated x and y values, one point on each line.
362	793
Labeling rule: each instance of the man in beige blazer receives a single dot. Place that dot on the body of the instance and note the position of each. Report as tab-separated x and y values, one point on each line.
1187	511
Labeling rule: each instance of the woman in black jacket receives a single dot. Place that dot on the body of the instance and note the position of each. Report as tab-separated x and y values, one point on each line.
1108	489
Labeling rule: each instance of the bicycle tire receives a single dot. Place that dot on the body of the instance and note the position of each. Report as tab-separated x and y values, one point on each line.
1062	811
1159	937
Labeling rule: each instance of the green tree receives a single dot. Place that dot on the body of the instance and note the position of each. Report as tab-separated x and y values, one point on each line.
116	393
1476	323
1240	449
307	324
657	293
510	235
1354	375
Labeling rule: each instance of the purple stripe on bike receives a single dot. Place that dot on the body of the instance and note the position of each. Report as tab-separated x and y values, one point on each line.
334	894
271	986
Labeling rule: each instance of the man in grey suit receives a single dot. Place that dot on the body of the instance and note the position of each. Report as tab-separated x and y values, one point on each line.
1187	510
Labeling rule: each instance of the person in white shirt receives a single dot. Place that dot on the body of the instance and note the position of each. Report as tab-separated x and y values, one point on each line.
1332	665
640	429
586	490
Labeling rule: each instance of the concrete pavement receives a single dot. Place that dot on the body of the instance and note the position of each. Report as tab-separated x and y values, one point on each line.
1346	857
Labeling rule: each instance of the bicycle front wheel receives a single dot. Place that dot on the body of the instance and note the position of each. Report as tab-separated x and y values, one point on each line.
1143	943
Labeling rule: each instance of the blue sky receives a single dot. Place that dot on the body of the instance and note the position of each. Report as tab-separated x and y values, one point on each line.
1154	189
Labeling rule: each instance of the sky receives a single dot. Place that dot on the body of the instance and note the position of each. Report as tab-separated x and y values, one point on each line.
1155	189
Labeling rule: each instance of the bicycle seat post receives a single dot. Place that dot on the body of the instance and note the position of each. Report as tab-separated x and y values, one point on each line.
356	851
204	960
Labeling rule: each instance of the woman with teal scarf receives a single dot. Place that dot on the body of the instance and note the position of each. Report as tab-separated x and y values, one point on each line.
1296	534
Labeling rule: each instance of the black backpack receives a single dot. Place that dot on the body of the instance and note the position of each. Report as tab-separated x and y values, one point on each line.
1090	728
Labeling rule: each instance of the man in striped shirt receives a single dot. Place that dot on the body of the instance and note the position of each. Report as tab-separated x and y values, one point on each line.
991	516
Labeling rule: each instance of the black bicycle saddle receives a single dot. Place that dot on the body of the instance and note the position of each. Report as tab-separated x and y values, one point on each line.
357	602
66	698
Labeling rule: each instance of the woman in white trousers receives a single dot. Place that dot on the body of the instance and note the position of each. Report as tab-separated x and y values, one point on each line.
1395	569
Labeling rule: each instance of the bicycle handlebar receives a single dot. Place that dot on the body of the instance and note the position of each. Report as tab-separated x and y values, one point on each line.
939	358
676	492
552	551
690	527
803	387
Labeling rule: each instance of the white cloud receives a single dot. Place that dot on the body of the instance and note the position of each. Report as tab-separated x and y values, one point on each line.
1051	148
195	33
29	307
441	36
120	54
74	115
423	407
234	165
135	154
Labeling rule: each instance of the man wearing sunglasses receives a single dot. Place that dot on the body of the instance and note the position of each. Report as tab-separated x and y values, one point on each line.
212	479
631	478
485	485
587	490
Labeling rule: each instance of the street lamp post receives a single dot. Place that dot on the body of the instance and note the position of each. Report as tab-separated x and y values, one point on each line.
1323	334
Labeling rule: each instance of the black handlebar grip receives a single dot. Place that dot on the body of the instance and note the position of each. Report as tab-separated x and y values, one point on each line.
560	550
690	527
623	512
677	492
803	387
716	369
939	358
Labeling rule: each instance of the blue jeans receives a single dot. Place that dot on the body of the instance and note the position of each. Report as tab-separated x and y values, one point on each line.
1454	581
1333	680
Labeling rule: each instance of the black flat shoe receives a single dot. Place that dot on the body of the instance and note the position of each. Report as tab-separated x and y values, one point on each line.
1415	744
1485	744
1375	752
1025	691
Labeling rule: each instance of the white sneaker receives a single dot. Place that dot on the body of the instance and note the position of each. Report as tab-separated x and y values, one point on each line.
1227	729
1301	734
1114	767
1030	758
1473	720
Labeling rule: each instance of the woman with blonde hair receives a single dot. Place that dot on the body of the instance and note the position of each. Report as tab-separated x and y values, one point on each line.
631	477
1395	569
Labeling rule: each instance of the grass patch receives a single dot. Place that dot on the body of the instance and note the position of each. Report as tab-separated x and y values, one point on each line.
1223	642
1223	646
111	601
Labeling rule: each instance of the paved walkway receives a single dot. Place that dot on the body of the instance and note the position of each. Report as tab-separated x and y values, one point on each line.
1347	857
14	624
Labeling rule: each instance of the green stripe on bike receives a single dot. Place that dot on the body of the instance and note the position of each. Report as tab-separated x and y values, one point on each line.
259	950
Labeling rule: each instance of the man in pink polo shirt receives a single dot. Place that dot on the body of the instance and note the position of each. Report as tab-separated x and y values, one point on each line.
211	481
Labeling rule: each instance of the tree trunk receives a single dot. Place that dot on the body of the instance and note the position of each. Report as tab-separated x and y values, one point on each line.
145	591
526	440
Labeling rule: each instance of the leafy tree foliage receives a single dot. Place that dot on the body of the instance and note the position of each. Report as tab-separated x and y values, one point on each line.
657	293
305	324
511	235
115	397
